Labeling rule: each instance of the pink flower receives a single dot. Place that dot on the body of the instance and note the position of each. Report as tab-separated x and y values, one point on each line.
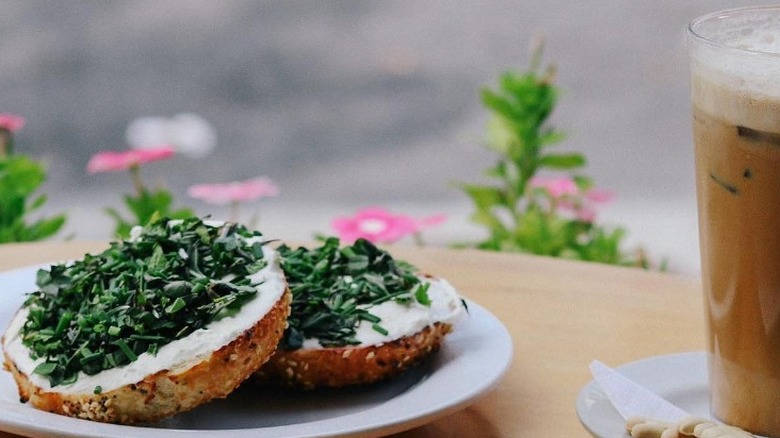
599	196
584	210
556	187
431	221
380	226
11	122
110	161
586	214
567	196
236	191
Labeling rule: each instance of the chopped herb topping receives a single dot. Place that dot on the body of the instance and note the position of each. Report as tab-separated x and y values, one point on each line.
106	310
334	287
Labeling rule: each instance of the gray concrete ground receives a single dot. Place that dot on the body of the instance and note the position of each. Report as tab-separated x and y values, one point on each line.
347	103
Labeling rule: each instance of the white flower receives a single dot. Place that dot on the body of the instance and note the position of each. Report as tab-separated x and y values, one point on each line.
190	134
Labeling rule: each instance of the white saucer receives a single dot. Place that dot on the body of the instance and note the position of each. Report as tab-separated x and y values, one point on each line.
679	378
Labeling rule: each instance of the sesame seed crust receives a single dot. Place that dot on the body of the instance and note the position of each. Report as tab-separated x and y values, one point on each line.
346	366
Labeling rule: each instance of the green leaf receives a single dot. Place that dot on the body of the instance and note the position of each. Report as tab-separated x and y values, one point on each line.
184	213
20	178
499	135
551	137
45	368
498	171
583	182
21	175
37	203
44	228
177	305
421	294
500	105
146	207
562	161
496	226
122	227
485	197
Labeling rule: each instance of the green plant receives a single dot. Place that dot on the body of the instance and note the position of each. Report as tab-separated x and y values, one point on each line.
523	211
20	179
144	207
146	204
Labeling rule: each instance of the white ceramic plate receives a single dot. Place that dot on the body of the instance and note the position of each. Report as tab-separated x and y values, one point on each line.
472	361
679	378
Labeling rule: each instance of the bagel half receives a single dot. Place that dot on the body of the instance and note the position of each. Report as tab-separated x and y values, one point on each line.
410	329
208	363
166	393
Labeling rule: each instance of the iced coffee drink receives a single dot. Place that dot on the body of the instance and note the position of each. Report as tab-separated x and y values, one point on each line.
735	67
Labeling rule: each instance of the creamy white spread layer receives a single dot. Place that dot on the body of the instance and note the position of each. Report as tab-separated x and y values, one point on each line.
176	356
401	320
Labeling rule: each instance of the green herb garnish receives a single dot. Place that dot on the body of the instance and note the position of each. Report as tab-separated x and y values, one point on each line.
107	309
334	288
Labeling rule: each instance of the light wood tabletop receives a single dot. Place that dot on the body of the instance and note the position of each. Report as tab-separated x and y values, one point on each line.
560	314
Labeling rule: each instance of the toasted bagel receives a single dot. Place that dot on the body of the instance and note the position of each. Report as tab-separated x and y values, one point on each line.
165	393
341	334
204	361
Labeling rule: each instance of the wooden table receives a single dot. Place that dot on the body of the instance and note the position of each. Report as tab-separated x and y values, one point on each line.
561	315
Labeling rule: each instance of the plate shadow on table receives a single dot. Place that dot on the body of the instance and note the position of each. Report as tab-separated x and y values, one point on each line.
254	406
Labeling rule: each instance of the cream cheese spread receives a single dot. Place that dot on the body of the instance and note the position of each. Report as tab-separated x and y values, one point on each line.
401	320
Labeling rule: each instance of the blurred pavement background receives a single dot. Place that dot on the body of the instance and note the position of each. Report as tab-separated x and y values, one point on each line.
347	104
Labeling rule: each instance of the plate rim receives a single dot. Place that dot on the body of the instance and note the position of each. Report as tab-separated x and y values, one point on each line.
24	420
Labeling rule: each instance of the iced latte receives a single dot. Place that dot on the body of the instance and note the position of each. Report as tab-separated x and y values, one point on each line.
735	67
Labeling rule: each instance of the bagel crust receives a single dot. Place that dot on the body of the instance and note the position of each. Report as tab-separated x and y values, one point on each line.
164	393
335	367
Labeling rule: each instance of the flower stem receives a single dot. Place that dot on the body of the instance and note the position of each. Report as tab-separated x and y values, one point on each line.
234	211
6	143
135	174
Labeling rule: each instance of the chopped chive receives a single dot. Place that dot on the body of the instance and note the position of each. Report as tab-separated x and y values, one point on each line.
177	305
126	350
370	317
378	328
62	324
151	338
334	289
110	362
69	380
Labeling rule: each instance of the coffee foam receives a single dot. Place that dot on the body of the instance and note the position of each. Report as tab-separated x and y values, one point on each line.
736	70
736	103
739	86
